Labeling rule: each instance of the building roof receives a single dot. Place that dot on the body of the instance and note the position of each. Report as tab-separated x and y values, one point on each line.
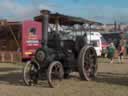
5	23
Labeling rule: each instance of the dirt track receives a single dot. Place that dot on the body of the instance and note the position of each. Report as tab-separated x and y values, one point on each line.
112	80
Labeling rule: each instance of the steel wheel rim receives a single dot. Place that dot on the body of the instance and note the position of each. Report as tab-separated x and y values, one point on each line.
29	71
56	74
27	77
90	62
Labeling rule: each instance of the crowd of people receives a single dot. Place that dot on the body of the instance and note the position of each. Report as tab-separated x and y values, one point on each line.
120	51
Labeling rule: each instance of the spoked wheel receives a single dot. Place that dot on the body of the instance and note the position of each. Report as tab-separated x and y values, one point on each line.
87	63
30	74
55	73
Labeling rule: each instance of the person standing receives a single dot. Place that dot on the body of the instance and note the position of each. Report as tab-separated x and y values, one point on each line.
121	53
126	47
111	52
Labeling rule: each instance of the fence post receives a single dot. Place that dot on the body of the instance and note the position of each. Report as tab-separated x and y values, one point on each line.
3	56
12	56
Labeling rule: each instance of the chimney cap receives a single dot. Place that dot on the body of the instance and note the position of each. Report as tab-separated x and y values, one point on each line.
44	11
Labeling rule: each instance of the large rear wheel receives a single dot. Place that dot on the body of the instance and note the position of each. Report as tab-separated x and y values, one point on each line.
55	73
87	63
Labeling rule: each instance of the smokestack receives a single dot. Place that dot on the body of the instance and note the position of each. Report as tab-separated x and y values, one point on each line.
45	23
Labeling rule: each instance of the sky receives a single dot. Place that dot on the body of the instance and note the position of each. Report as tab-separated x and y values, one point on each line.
105	11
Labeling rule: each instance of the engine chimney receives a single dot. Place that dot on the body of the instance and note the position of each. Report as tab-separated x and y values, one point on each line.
45	22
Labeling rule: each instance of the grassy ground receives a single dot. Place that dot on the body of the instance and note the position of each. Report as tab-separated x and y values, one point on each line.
111	80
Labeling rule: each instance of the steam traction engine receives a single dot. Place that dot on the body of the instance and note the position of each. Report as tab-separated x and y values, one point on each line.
60	56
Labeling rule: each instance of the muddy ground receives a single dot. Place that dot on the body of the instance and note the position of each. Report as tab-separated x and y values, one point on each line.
111	80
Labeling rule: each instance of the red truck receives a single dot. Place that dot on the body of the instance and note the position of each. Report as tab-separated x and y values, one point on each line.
31	36
19	38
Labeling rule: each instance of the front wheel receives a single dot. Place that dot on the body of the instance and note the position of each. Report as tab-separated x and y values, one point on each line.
87	63
55	73
30	73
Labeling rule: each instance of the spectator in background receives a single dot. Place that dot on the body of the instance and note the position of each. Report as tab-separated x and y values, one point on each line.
127	47
121	53
111	52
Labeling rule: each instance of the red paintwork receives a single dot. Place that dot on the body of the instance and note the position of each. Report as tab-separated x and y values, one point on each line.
27	38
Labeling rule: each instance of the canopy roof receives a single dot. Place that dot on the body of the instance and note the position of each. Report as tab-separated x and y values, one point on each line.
65	19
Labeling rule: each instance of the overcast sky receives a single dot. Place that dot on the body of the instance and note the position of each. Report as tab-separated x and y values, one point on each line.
106	11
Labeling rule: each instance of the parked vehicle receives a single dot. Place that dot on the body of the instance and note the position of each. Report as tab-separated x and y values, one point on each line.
94	38
20	37
112	37
58	56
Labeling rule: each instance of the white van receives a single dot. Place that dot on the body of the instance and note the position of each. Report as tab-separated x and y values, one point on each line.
94	38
